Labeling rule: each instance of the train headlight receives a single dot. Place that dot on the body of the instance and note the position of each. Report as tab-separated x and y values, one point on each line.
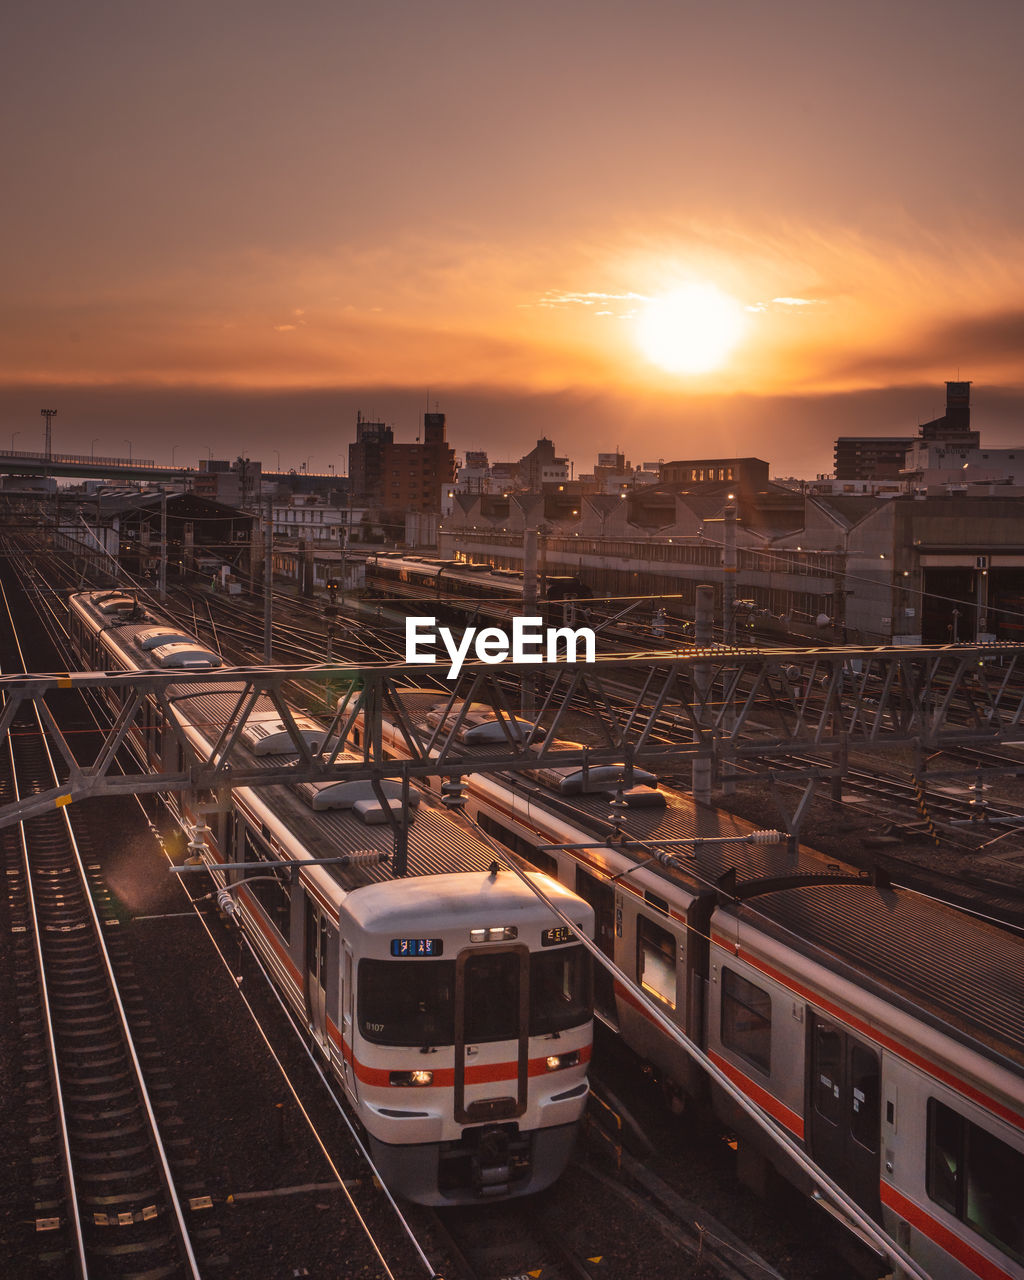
557	1061
501	933
406	1078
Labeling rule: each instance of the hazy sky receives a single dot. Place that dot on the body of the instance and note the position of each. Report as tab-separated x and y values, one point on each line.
231	225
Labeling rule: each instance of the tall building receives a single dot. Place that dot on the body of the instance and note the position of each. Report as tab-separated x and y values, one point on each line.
366	458
403	477
954	427
870	457
238	483
884	457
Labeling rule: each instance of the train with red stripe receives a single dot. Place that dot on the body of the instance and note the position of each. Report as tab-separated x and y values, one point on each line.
453	1004
883	1032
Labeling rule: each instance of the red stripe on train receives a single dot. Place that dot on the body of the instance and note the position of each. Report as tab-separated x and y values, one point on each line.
941	1235
872	1033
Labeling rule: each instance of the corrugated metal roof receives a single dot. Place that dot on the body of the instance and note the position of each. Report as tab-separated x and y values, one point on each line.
948	964
437	843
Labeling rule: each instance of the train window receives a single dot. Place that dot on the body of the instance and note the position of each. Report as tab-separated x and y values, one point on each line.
828	1059
746	1019
865	1100
407	1002
492	996
271	888
560	990
656	960
976	1177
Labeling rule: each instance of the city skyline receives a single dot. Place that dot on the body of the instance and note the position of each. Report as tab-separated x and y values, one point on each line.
234	226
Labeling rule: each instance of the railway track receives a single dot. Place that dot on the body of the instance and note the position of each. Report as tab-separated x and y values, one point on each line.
549	1247
634	1225
231	1216
495	1242
105	1201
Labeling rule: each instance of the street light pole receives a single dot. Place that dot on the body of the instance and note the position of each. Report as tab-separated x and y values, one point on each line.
129	444
92	448
13	434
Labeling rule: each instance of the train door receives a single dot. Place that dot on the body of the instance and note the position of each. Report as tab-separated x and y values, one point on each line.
492	1003
601	897
320	937
843	1112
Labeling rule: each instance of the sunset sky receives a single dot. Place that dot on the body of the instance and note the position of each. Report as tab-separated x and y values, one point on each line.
230	225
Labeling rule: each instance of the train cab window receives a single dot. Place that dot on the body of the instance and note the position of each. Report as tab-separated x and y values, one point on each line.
561	991
656	960
407	1002
976	1177
492	997
746	1019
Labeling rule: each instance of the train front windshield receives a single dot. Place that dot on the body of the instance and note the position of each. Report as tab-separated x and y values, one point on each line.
412	1002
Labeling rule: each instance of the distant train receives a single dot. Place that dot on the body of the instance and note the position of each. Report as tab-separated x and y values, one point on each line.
467	588
882	1031
453	1006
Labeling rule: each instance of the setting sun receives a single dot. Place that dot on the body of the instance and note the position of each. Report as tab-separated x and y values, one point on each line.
690	330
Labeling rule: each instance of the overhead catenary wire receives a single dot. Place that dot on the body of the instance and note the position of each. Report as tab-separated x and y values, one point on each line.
846	1206
360	1217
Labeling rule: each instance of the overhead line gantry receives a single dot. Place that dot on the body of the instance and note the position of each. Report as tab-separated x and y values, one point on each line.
749	706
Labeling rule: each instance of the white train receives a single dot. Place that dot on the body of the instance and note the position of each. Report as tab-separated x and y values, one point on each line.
453	1006
883	1032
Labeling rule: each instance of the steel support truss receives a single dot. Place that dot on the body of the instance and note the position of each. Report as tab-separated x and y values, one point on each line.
752	706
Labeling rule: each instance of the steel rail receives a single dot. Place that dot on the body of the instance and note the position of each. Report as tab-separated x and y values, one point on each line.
143	1091
51	1041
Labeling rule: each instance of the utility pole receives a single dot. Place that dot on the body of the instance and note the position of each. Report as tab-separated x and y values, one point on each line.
981	594
268	582
729	611
163	544
529	607
729	571
344	543
703	631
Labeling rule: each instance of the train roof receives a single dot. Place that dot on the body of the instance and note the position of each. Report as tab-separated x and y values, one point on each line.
448	902
457	569
938	958
437	843
938	961
933	958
